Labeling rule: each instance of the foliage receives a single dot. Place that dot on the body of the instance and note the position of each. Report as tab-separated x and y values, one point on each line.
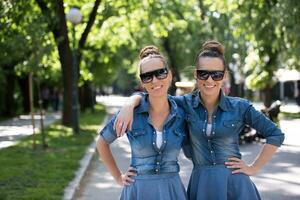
259	36
43	174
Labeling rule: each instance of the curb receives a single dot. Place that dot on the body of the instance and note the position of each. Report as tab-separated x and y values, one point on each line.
70	190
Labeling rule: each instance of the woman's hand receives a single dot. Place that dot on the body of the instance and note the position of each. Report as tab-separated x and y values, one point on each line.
124	120
125	179
240	166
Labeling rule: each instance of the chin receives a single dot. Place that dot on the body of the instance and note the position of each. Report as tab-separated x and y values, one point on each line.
209	92
158	94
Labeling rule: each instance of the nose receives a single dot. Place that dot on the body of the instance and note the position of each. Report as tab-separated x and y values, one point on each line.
154	80
210	79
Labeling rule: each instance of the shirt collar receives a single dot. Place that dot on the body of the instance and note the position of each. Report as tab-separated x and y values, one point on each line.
144	105
223	104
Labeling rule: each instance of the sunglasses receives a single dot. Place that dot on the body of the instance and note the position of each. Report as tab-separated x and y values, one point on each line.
159	74
215	75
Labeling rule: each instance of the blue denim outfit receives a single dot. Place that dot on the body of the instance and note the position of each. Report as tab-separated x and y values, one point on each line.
210	178
157	169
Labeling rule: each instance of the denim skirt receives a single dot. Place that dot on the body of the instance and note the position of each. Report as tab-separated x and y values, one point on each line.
218	183
155	187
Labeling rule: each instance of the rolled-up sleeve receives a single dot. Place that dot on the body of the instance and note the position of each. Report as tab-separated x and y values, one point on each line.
108	133
264	126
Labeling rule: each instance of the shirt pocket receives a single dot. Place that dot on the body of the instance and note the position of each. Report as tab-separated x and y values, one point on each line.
233	126
137	132
176	138
179	132
137	138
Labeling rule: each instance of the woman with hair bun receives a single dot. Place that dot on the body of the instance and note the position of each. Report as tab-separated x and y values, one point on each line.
215	122
157	135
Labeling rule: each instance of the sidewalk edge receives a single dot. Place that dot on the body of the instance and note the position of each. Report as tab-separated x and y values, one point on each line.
70	190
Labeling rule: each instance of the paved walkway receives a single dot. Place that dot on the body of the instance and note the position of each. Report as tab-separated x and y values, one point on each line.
278	180
13	129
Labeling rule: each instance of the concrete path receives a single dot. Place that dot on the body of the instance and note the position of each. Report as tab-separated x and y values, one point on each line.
13	129
278	180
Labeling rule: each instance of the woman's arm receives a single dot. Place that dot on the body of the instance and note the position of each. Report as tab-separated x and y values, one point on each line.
264	156
109	161
274	138
124	118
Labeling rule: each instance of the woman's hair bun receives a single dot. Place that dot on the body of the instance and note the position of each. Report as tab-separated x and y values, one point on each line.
149	50
213	46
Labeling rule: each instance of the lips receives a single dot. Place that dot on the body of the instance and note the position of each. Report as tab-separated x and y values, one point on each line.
157	87
209	86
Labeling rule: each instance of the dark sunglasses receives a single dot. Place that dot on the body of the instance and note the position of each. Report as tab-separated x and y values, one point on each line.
215	75
159	74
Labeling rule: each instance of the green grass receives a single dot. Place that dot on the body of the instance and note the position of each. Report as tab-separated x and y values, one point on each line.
284	115
43	174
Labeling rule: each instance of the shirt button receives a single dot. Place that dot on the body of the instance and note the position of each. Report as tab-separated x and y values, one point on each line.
232	124
213	132
208	140
214	163
159	152
156	170
211	151
157	163
203	130
164	141
153	143
214	116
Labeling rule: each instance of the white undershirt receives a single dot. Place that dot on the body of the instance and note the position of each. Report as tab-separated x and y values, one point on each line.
159	139
208	129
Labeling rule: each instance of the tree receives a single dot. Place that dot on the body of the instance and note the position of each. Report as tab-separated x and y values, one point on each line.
19	35
58	26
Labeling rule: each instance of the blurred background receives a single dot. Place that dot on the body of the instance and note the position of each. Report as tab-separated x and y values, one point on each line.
38	41
58	57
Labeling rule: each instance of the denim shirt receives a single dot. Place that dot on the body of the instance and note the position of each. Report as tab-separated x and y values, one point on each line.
146	158
228	120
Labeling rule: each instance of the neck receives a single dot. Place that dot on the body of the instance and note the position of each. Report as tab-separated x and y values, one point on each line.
210	102
158	104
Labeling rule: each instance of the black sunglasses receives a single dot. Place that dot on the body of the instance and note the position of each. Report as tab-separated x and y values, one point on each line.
159	74
215	75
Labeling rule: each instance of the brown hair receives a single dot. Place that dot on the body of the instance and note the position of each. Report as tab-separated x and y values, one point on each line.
151	51
212	49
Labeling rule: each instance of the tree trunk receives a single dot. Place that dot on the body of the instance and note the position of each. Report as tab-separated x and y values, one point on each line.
173	65
86	96
59	30
85	91
65	57
267	96
9	89
24	88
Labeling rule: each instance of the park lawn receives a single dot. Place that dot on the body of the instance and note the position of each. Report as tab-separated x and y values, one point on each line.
285	115
44	174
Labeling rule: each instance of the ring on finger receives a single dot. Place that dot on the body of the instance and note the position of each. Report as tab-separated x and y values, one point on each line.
120	124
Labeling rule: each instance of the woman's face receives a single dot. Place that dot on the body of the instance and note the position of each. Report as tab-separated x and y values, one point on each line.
161	80
210	68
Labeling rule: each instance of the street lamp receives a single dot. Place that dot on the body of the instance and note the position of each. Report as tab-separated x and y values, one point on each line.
74	16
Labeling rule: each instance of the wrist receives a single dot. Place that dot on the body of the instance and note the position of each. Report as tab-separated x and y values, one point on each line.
254	167
118	179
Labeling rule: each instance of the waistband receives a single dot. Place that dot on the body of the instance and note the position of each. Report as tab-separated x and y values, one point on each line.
156	176
209	166
151	169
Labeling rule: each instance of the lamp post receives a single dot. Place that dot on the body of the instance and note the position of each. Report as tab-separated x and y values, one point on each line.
74	16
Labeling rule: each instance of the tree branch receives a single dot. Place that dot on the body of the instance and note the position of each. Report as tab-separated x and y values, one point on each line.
89	25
